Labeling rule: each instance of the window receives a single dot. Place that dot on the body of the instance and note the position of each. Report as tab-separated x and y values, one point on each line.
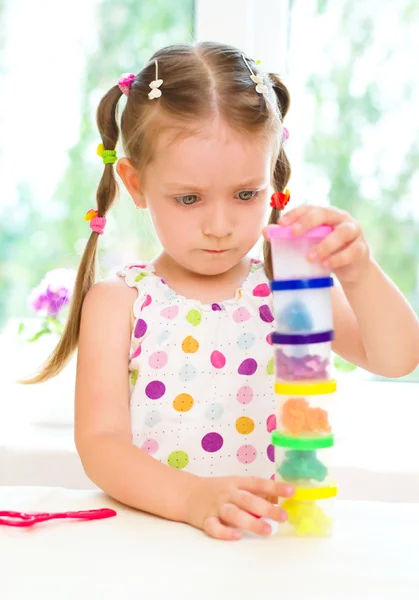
51	78
354	127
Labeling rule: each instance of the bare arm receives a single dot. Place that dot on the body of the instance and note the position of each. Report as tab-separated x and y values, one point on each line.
102	419
375	327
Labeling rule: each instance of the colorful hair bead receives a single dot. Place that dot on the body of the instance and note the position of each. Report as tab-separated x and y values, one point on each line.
97	224
279	200
125	82
108	156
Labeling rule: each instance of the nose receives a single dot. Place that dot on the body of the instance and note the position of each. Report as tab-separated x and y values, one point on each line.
218	221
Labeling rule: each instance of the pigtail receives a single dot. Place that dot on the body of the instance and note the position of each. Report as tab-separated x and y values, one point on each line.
282	171
107	190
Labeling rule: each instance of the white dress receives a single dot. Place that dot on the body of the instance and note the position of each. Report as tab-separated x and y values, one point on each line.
201	376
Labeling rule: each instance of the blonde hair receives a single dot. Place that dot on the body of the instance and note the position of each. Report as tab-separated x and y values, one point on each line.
201	81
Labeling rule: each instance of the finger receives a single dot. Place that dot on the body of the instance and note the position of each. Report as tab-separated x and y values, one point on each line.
319	216
292	215
343	235
235	517
218	530
351	254
265	487
258	506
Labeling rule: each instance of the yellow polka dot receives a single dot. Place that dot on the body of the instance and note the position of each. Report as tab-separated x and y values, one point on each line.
183	402
245	425
178	459
134	377
194	317
190	345
270	367
141	276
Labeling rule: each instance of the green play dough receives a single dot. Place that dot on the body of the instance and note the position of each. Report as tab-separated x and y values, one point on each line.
302	464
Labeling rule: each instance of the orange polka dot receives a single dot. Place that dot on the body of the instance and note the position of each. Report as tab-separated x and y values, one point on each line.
245	425
183	402
190	345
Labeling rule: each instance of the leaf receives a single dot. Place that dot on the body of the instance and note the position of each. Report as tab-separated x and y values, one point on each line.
39	334
343	365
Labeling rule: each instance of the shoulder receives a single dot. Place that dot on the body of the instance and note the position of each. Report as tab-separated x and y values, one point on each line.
109	291
109	300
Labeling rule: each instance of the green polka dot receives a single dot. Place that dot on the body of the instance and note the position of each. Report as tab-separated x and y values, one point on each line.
194	317
141	276
178	459
270	368
134	377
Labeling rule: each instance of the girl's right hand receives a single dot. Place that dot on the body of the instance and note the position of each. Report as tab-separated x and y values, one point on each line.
224	507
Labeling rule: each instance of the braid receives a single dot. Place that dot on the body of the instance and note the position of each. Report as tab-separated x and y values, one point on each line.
282	171
86	274
107	114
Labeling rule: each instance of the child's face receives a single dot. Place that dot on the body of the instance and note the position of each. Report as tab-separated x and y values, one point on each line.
208	196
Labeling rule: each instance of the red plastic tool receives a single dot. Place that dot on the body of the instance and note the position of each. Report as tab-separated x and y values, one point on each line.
20	519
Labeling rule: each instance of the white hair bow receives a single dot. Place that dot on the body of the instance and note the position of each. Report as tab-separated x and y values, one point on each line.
155	85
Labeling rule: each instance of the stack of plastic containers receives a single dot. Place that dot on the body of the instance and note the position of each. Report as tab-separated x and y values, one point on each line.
304	389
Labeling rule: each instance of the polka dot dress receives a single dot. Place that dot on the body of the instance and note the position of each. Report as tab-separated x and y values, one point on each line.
201	377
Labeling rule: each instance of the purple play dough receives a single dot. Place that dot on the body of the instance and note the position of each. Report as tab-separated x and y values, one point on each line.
298	368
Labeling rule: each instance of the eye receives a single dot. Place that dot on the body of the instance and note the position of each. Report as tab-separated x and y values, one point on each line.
187	200
247	195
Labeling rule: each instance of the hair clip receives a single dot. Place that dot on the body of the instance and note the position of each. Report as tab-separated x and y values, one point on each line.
108	156
261	88
97	224
285	135
279	200
125	82
155	92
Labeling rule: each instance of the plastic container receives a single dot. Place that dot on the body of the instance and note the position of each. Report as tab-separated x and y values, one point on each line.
303	357
303	463
303	306
289	252
310	512
305	410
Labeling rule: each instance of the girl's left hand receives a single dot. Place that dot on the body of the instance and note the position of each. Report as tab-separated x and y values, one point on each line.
344	251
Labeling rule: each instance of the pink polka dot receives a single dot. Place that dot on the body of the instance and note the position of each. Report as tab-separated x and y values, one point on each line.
248	367
265	314
155	390
273	477
271	423
218	360
171	312
245	394
262	290
241	315
270	452
137	267
269	339
158	360
212	442
150	446
246	454
137	352
140	328
146	302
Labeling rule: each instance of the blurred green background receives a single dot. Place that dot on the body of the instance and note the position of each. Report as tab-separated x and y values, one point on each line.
354	131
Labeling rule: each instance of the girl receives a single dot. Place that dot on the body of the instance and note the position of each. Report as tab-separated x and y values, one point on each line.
174	394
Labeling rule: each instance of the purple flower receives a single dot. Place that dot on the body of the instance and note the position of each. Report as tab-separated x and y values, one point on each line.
53	293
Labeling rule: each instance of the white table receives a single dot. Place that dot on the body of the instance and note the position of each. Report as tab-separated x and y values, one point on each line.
374	554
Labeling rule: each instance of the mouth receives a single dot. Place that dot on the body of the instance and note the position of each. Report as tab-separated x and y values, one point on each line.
215	251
